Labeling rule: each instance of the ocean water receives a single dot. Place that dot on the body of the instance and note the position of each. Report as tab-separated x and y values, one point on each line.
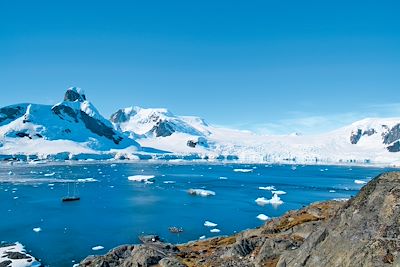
114	210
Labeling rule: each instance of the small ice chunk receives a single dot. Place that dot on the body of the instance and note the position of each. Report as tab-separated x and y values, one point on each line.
202	237
243	170
269	188
359	182
49	174
169	182
97	248
223	178
278	192
332	191
141	178
215	230
262	217
210	224
201	192
10	173
37	229
275	200
50	185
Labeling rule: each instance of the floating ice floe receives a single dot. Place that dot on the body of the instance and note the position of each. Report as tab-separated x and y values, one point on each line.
215	230
210	224
49	174
223	178
275	200
25	261
332	191
37	229
202	237
269	188
243	170
86	180
201	192
278	192
359	182
341	199
97	248
141	178
169	182
262	217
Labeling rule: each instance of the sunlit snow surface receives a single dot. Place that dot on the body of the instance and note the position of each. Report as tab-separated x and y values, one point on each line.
114	210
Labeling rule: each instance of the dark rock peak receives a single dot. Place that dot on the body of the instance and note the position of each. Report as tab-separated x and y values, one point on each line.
392	135
395	147
163	128
12	112
119	116
355	136
74	94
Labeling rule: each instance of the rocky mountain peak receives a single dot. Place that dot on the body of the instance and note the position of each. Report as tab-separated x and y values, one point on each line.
74	94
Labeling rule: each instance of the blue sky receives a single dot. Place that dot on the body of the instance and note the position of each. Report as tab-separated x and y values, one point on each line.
269	66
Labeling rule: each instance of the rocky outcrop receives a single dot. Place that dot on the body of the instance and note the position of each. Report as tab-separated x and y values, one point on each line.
10	113
363	231
74	94
163	128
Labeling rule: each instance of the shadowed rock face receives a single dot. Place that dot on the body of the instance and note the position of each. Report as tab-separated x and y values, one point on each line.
100	128
363	231
11	113
119	116
73	95
392	135
355	136
163	128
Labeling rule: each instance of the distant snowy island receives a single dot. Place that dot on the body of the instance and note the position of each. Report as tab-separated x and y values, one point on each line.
75	130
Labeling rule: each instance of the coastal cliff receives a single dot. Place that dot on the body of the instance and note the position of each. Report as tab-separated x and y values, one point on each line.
363	231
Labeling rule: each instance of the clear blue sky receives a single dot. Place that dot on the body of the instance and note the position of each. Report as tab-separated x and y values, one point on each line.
272	66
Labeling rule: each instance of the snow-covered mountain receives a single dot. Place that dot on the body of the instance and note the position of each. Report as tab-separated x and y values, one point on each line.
159	122
75	129
369	140
72	126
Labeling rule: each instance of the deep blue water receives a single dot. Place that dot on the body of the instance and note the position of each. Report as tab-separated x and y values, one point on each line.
115	211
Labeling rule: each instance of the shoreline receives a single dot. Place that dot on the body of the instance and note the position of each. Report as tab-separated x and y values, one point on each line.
365	226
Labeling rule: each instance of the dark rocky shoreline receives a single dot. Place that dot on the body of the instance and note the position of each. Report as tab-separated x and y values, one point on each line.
364	231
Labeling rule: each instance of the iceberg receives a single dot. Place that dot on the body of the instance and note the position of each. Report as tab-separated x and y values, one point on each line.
278	192
268	188
359	182
201	192
97	248
141	178
262	217
275	201
210	224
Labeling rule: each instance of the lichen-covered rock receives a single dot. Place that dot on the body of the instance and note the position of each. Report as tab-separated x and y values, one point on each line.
365	232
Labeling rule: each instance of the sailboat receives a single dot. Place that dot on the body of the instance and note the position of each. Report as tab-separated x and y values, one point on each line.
70	198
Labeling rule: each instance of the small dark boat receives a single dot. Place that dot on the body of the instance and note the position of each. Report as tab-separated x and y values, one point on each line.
70	198
175	230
